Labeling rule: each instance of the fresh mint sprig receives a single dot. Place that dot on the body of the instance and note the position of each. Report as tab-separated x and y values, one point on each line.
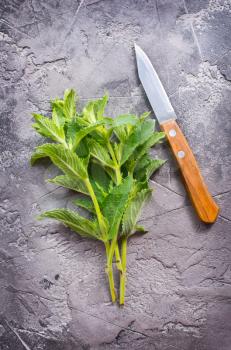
106	160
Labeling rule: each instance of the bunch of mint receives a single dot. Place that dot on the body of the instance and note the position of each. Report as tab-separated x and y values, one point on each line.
106	160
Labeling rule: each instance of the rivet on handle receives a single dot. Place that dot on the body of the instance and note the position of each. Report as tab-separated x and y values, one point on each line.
181	154
172	132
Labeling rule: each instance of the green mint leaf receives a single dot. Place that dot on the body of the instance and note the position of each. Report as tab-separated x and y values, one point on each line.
114	205
99	175
65	160
145	115
82	149
72	128
152	141
47	127
142	164
99	191
69	106
76	222
37	154
58	115
77	185
89	113
123	119
99	106
121	133
79	135
146	167
85	203
100	152
153	166
132	211
111	173
94	110
140	135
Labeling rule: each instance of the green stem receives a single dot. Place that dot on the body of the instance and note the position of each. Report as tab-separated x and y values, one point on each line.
109	264
109	272
112	251
118	175
124	267
118	259
103	230
99	215
114	248
64	143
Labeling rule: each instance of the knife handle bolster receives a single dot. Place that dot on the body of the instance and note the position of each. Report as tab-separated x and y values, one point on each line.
205	206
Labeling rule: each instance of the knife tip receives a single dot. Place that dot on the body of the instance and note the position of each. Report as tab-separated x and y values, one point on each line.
138	50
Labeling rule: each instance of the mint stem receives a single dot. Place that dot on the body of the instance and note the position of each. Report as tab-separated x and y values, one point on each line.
112	250
109	272
103	230
124	268
99	215
118	259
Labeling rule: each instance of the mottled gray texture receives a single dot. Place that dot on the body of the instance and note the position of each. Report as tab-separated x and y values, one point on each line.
54	293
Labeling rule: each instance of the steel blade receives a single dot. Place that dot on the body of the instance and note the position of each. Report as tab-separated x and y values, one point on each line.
153	87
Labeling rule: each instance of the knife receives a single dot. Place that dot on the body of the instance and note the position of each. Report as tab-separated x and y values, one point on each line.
202	200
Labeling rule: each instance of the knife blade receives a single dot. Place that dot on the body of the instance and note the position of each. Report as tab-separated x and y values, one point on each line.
205	206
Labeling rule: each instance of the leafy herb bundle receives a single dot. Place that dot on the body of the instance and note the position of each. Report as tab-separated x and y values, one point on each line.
107	160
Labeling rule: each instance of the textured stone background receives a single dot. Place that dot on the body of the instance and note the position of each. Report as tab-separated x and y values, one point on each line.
54	293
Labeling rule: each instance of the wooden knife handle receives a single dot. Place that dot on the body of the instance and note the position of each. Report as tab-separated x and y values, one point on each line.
203	202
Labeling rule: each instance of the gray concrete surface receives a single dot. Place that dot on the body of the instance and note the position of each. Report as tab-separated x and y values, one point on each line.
54	293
